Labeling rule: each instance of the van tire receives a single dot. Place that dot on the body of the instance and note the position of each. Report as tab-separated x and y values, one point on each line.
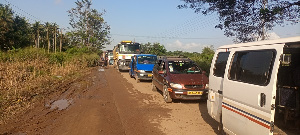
166	95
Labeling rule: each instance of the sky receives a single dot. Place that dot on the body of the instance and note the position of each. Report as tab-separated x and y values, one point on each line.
143	21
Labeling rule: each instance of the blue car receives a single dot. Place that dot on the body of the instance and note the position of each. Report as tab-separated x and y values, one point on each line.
141	66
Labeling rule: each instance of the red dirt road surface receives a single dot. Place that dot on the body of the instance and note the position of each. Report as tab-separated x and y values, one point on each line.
108	102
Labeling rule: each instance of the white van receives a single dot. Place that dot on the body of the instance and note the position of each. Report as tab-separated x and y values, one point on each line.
255	88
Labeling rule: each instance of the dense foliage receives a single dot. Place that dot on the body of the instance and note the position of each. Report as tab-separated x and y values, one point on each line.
203	59
155	48
89	27
247	20
14	31
17	33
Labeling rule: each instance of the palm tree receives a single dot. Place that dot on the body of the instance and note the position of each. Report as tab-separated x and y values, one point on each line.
47	26
55	28
60	39
36	29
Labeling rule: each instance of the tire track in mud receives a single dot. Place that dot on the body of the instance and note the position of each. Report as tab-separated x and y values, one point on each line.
134	113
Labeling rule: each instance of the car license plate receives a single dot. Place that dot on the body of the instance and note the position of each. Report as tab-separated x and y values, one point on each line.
149	75
195	92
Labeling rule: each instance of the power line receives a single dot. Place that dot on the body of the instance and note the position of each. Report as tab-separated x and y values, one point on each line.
30	15
167	37
17	10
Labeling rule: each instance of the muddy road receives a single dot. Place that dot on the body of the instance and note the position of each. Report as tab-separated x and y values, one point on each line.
111	103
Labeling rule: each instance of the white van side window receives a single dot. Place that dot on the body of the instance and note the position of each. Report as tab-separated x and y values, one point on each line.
220	64
252	67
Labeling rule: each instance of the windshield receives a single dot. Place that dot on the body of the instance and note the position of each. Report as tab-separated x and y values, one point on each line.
130	48
146	59
183	67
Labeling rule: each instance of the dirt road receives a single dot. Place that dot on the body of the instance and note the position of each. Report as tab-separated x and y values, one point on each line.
111	103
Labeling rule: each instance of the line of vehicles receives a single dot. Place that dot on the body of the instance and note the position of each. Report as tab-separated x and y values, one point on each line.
253	88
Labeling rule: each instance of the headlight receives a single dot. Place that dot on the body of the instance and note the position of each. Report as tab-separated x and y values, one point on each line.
206	86
175	85
141	71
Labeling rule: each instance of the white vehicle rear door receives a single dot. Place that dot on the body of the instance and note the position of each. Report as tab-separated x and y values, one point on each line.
214	101
249	89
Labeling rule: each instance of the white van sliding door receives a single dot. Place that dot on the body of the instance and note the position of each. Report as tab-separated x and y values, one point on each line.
249	90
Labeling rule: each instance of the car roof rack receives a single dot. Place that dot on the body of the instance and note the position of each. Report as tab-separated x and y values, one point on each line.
164	57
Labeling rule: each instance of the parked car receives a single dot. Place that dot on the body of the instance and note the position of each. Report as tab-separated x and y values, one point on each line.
179	78
141	66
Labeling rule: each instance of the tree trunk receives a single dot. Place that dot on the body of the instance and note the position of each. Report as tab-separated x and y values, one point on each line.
48	40
60	40
53	44
38	39
35	42
55	38
263	36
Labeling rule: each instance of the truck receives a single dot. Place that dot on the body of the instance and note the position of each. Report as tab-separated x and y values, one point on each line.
141	66
255	87
110	59
122	53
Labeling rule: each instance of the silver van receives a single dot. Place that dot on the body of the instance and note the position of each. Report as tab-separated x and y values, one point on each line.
254	88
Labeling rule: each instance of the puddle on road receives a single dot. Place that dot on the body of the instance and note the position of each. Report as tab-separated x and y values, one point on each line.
60	104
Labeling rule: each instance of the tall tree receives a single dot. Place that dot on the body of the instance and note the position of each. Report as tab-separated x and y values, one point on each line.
247	20
54	28
36	27
60	39
48	27
6	22
88	24
20	36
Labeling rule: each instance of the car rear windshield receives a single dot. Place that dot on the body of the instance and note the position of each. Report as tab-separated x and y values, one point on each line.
146	59
183	67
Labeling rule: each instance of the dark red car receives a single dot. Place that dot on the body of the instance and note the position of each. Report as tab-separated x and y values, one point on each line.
179	78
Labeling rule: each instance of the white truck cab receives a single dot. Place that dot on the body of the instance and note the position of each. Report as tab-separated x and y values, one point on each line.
255	88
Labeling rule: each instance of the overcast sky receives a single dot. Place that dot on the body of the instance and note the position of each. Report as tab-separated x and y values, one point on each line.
143	21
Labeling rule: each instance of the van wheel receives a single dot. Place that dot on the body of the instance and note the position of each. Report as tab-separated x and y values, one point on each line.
153	87
166	95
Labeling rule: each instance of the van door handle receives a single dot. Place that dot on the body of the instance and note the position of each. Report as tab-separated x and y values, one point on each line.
220	92
262	99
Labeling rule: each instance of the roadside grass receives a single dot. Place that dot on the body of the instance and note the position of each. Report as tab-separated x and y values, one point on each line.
29	75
